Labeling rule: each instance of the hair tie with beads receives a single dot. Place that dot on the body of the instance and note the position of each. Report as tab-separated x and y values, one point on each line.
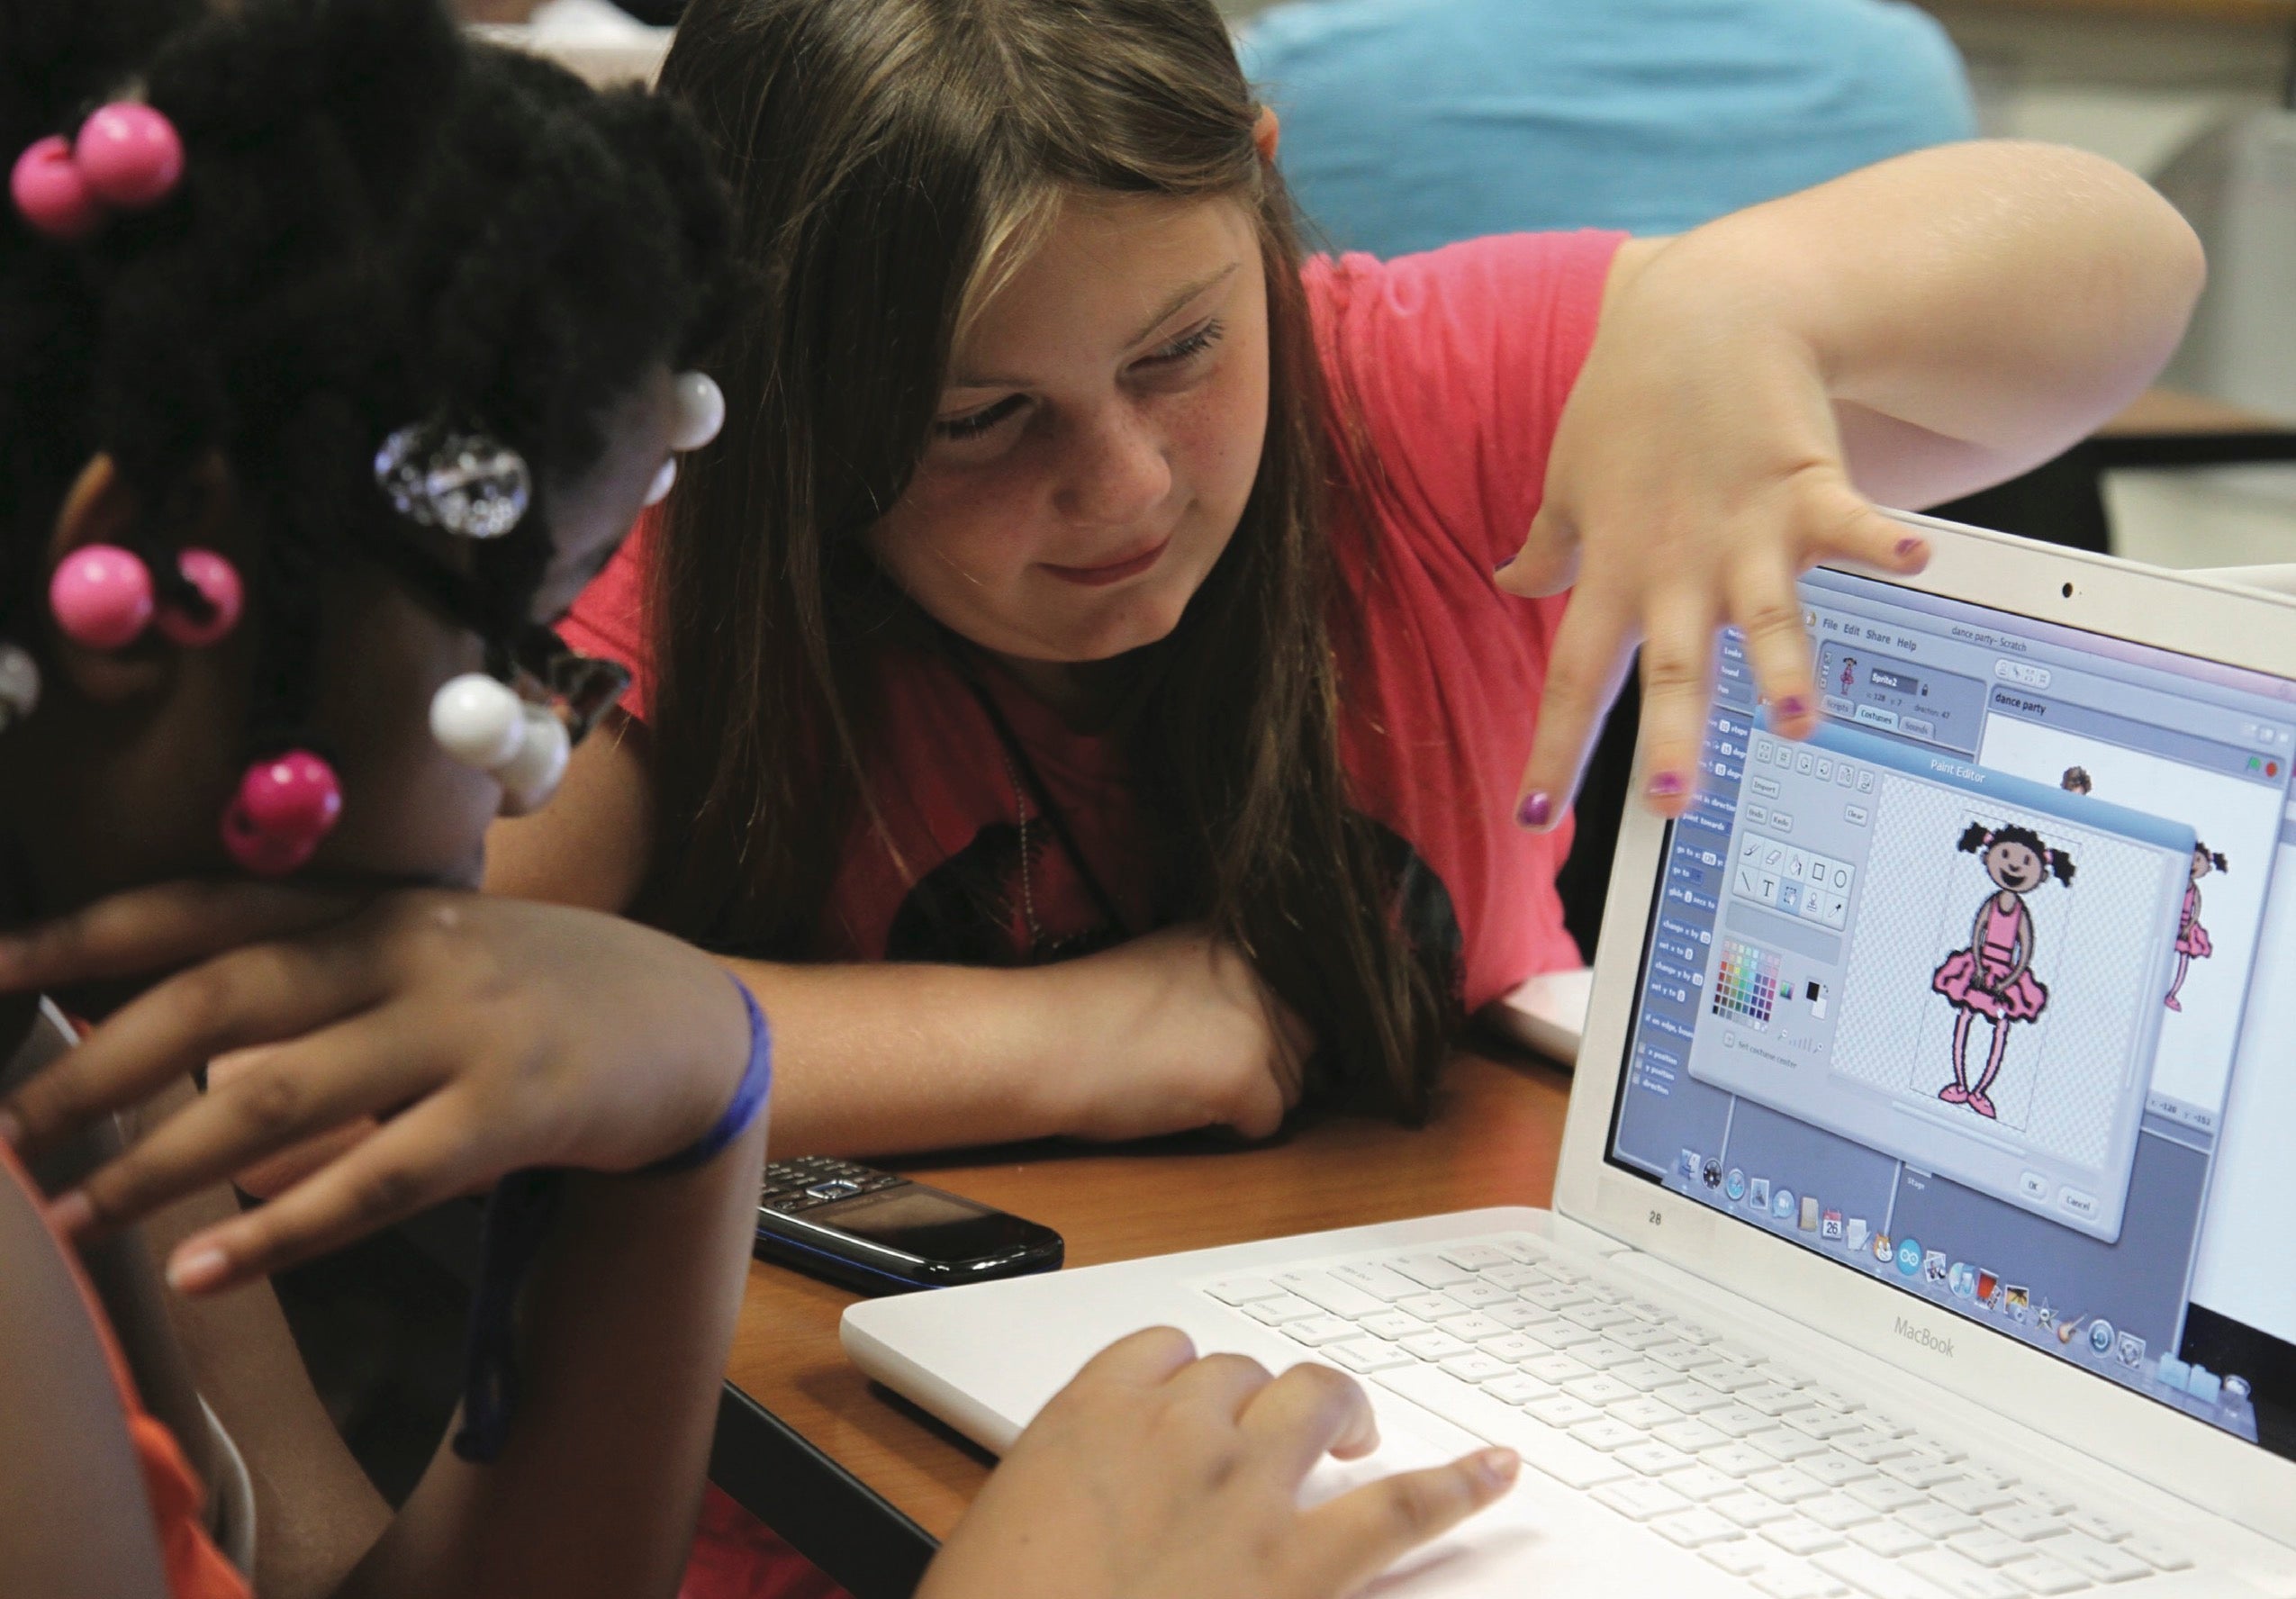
127	156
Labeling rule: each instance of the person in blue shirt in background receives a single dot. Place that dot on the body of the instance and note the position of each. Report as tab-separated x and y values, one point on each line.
1411	123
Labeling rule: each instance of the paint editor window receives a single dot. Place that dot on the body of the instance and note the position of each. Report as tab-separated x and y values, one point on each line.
1955	967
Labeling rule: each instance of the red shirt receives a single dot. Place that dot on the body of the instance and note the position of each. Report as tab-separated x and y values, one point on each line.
1460	361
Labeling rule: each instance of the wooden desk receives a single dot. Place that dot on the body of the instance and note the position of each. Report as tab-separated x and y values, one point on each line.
864	1483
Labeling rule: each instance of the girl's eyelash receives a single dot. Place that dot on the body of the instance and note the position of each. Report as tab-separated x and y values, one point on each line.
976	423
1191	344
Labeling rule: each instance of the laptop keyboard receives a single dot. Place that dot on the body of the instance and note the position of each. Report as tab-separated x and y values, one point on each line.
1801	1490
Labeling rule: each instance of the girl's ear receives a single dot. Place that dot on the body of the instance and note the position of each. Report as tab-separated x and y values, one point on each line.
1267	133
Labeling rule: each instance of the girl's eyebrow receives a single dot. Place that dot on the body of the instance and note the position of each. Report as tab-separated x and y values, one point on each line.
965	380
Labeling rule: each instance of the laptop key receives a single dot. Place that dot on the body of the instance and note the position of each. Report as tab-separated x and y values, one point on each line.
1886	1537
1840	1513
1638	1499
1393	1324
1785	1485
2026	1524
1689	1433
1702	1483
1986	1547
1517	1389
1376	1280
1653	1458
1284	1307
1737	1420
2099	1562
1872	1575
1364	1356
1796	1582
1477	1367
1515	1279
1802	1536
1644	1411
1517	1315
1431	1272
1474	1327
1962	1579
1241	1290
1691	1397
1557	1367
1878	1492
1431	1307
1644	1375
1476	1257
1750	1509
1605	1434
1836	1469
1974	1495
1742	1559
1543	1448
1560	1410
1340	1298
2047	1577
1937	1520
2166	1556
1512	1346
1314	1331
1695	1528
1736	1460
1597	1389
1478	1294
1434	1345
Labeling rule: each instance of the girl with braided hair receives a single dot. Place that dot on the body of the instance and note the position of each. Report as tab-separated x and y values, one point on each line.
334	356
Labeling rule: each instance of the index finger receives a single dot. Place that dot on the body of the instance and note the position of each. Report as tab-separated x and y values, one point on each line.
1309	1412
159	927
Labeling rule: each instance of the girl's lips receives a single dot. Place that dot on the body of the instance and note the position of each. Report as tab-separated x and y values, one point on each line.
1093	577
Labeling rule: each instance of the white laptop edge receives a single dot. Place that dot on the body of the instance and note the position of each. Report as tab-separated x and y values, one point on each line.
1600	1208
2193	613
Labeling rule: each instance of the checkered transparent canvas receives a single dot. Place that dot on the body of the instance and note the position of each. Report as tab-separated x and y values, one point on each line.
2095	948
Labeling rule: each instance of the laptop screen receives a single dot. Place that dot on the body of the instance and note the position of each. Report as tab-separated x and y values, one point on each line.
1985	991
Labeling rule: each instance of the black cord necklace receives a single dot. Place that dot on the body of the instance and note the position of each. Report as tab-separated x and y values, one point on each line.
1027	782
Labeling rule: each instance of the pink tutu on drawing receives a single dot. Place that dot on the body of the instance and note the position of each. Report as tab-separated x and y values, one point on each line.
2191	938
1978	988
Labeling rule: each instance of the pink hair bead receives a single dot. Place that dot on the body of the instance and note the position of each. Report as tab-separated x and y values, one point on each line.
101	595
128	155
284	806
51	193
219	581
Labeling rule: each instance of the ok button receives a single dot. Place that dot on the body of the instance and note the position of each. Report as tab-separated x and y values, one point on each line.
2034	1185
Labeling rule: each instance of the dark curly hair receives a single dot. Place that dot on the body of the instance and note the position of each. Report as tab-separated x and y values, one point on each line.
378	224
1978	838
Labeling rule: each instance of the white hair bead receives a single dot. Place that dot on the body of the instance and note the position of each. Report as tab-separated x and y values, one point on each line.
477	720
701	410
531	776
659	490
19	685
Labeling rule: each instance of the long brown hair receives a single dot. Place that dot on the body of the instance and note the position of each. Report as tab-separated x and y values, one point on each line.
891	159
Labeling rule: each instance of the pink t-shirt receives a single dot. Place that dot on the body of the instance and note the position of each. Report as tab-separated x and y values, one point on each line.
1460	362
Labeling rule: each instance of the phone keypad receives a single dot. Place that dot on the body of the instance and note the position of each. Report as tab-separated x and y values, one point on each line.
792	1186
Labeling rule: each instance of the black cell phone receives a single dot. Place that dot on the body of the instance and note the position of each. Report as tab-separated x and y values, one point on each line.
884	1234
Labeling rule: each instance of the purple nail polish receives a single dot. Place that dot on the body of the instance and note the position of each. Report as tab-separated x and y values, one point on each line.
1908	546
1793	705
1535	811
1665	785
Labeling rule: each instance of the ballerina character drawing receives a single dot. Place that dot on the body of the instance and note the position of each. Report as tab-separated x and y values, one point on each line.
1849	675
2191	938
1993	977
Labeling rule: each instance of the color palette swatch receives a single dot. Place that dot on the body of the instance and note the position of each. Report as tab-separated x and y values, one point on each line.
1746	982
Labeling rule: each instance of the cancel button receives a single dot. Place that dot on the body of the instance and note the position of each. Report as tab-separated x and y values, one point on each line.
2076	1203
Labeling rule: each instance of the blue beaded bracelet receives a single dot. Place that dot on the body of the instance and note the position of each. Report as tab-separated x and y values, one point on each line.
517	1218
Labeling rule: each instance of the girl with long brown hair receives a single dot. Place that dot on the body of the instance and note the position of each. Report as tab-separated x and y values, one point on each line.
1083	576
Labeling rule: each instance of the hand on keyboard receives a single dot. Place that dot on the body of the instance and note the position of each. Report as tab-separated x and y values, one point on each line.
1155	1473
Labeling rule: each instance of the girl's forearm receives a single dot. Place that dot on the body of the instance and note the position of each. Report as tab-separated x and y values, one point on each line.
1159	1036
625	1325
2000	296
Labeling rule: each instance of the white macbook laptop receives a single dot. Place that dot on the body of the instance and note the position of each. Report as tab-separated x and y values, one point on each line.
1921	1224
